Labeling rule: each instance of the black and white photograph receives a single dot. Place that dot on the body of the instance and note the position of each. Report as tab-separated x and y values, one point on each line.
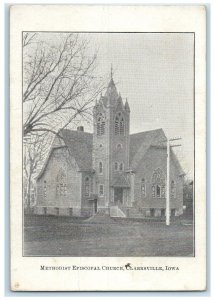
108	144
107	148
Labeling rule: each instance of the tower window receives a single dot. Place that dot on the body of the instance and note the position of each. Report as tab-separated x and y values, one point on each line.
119	147
101	190
119	125
121	167
87	186
100	167
116	166
100	125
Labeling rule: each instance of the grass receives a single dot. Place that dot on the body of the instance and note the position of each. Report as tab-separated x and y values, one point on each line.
64	236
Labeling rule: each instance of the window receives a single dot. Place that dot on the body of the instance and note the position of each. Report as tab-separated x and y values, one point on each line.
101	190
100	167
61	184
158	191
119	125
143	187
173	189
153	191
87	186
158	184
45	188
121	167
119	147
100	125
116	166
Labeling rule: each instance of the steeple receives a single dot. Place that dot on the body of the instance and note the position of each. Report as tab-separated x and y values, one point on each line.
127	105
111	92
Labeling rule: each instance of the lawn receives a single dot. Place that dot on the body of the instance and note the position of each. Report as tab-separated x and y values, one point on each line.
64	236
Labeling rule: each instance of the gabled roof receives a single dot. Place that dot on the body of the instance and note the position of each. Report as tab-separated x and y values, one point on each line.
140	143
80	146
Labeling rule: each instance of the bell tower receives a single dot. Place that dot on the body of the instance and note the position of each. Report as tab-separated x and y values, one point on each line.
111	119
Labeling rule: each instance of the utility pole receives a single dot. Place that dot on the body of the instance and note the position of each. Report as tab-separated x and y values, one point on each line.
168	178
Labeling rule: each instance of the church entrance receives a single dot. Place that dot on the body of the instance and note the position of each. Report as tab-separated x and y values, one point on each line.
95	206
118	195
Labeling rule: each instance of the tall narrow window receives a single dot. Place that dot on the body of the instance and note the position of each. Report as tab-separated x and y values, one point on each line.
158	184
119	124
45	188
87	186
116	166
61	184
121	167
100	168
121	127
143	187
101	190
100	125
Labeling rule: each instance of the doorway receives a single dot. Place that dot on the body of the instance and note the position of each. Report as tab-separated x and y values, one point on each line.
118	195
95	206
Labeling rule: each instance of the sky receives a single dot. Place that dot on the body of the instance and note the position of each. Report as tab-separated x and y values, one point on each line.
155	71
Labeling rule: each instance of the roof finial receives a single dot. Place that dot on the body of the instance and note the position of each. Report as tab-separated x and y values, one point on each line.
111	72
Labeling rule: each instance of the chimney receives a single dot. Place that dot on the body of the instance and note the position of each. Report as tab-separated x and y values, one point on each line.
80	128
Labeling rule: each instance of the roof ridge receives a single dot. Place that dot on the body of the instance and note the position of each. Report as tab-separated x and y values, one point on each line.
146	131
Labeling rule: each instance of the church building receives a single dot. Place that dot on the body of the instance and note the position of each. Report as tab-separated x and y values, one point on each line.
109	171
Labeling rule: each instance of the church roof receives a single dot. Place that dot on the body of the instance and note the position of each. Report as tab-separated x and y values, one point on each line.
80	145
140	143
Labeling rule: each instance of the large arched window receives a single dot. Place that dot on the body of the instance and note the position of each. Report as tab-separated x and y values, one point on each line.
100	125
158	184
87	186
61	184
119	127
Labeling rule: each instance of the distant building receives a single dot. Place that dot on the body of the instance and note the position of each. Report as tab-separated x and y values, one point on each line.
110	171
188	199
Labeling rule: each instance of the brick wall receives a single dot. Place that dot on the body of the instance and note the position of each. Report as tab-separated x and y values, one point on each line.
156	158
60	160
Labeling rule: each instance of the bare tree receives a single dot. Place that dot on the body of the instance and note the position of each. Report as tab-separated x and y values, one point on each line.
36	148
59	84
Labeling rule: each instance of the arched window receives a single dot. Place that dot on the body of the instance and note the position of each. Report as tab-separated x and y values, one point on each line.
61	184
173	189
121	167
158	184
119	125
100	125
143	187
119	146
87	186
100	167
116	166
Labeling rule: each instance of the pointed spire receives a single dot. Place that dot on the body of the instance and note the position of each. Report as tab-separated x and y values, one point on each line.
127	105
111	72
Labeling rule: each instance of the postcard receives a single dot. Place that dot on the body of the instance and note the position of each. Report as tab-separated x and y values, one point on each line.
107	148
